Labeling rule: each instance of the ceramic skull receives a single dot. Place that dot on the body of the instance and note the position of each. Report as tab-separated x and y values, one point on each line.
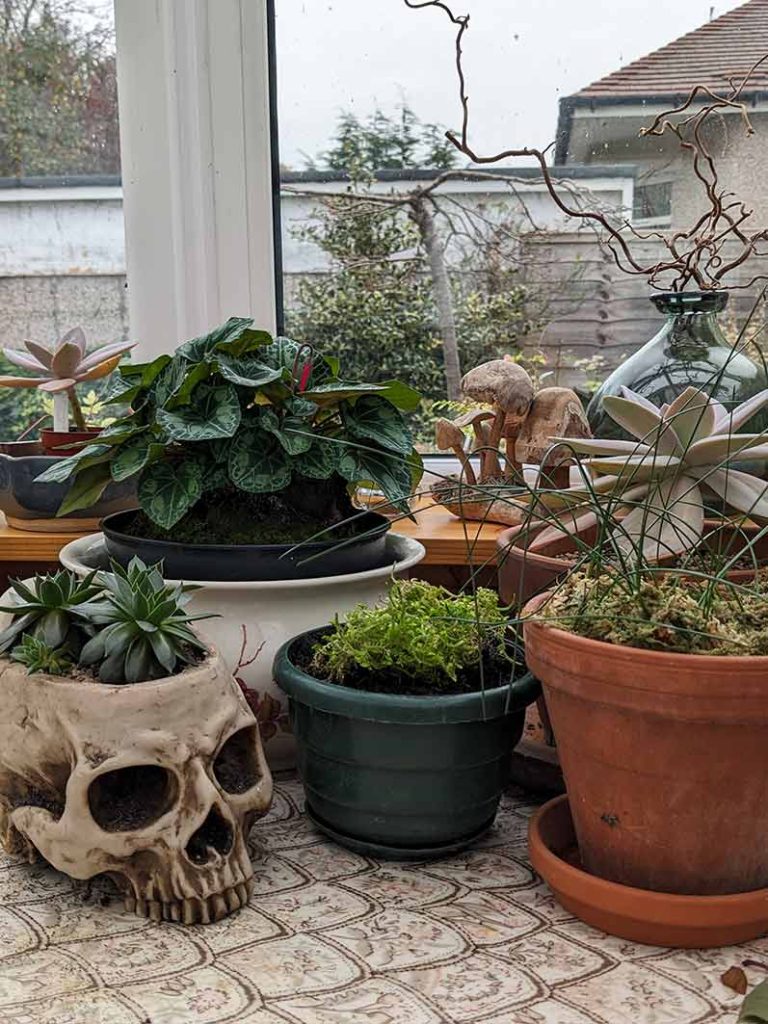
155	784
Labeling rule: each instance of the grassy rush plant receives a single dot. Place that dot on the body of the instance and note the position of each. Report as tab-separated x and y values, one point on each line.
125	626
422	639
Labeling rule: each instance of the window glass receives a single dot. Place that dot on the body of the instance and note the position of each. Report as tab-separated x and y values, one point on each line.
424	285
62	262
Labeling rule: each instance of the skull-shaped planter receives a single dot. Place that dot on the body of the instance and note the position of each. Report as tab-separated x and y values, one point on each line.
155	784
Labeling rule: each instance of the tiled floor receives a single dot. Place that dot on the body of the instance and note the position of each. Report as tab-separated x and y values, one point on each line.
331	937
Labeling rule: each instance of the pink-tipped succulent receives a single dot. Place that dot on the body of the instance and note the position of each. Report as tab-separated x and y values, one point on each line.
59	368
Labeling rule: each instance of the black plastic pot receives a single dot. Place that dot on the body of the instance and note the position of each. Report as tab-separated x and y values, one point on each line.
397	776
30	505
246	562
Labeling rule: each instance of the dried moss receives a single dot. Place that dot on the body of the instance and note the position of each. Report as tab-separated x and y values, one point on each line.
663	612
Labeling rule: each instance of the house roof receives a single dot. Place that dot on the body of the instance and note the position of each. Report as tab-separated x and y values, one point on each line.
710	55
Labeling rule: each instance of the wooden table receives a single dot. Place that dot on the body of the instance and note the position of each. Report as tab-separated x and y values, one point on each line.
449	542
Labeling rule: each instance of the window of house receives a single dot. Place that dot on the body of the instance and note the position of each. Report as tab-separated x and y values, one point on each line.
61	230
361	135
653	201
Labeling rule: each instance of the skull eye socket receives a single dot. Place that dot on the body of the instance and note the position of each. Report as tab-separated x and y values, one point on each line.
237	766
131	798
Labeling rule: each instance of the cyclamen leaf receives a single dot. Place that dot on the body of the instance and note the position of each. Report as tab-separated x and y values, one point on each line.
86	489
249	372
390	473
92	455
258	463
169	489
292	433
377	419
133	456
321	461
236	337
213	413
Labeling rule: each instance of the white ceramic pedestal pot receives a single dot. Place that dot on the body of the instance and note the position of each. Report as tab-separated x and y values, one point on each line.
262	615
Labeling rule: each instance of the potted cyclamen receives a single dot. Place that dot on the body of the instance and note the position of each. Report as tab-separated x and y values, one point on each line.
405	717
144	762
56	371
246	450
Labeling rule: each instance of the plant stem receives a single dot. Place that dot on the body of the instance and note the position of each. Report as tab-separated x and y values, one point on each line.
77	412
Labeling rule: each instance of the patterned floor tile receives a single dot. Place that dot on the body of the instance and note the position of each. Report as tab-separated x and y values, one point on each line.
79	1008
16	934
395	885
482	869
553	959
317	906
40	975
324	861
140	956
331	937
476	987
485	918
243	929
377	1001
396	939
634	992
207	996
299	964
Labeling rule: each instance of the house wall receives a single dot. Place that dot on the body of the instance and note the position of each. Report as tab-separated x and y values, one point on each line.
61	263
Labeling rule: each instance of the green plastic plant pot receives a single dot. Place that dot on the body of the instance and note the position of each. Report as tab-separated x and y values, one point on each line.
398	776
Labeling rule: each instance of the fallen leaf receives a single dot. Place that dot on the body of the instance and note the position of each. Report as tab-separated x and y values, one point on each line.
736	979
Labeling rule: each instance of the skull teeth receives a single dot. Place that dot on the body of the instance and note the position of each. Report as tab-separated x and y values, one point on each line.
193	911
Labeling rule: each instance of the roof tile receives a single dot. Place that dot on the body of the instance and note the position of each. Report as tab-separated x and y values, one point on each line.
712	55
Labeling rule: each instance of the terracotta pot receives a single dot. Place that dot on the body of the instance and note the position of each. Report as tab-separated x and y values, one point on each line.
524	573
69	442
653	918
665	760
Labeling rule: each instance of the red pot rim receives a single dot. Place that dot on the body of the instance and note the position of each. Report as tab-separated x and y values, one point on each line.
601	648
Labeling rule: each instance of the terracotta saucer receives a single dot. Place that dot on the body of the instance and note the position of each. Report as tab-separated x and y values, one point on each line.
652	918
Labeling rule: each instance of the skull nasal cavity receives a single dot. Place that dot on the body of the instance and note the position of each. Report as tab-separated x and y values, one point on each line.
237	764
214	837
131	798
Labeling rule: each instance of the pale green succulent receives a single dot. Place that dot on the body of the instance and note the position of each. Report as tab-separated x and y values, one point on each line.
656	487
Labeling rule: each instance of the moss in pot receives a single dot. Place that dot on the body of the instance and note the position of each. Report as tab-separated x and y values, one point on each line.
243	446
405	717
126	747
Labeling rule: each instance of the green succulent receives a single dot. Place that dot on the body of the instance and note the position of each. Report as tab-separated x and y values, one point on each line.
38	656
50	608
142	630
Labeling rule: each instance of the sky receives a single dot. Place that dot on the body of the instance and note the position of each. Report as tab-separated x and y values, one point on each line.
521	56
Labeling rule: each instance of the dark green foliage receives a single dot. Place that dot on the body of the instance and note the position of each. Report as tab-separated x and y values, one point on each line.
238	410
422	632
58	92
127	626
142	630
38	656
382	143
51	609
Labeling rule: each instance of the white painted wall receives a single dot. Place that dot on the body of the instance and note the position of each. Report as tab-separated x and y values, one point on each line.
79	231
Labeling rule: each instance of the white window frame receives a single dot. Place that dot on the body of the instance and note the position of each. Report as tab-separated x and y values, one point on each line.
197	168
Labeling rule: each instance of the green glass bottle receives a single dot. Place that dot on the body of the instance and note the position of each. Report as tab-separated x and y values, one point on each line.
690	349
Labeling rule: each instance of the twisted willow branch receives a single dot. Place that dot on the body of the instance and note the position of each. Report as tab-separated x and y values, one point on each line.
695	254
